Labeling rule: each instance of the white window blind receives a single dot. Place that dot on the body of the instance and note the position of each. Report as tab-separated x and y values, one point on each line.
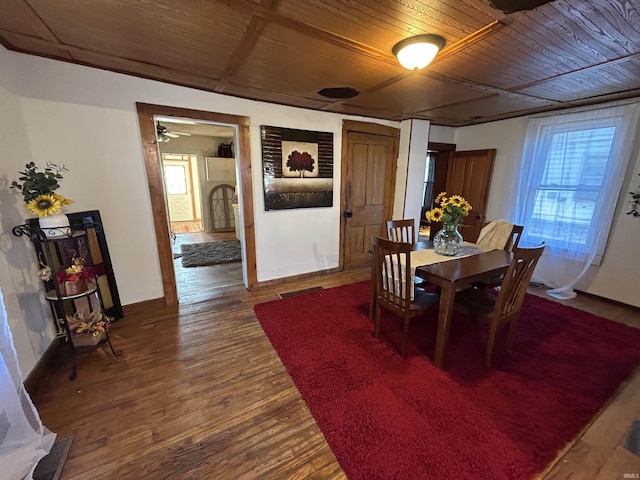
571	185
569	181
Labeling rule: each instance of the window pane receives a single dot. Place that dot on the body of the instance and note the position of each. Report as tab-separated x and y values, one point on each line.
573	176
175	179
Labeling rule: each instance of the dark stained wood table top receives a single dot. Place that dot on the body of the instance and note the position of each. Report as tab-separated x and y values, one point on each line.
466	269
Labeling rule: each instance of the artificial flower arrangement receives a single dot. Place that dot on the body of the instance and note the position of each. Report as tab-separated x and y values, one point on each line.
450	210
73	280
89	330
38	189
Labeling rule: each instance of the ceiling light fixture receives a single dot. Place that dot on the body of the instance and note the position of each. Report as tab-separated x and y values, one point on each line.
417	52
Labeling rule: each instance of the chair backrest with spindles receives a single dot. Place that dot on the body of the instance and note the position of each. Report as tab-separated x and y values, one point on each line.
515	283
401	230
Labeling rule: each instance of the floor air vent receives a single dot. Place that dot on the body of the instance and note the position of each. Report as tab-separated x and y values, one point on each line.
50	466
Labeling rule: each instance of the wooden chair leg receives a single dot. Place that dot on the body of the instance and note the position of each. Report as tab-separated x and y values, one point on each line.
513	325
405	334
490	343
372	294
376	320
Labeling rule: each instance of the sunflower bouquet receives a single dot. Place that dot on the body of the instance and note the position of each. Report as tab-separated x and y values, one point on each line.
38	189
450	210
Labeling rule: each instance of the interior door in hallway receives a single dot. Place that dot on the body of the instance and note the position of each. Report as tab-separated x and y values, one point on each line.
368	184
469	175
177	179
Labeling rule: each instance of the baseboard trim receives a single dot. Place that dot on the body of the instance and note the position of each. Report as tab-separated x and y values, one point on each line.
609	300
134	308
40	371
294	278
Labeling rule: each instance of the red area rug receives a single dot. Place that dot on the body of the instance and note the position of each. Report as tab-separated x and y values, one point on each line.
389	418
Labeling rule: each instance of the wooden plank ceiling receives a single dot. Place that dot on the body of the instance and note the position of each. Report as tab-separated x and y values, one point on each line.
494	65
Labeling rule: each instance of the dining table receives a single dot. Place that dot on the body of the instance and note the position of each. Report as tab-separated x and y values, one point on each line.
451	274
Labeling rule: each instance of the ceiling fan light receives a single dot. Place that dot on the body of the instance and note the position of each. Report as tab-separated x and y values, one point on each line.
417	52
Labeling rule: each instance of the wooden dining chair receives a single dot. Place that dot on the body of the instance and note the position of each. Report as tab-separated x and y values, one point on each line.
505	308
514	239
500	234
393	286
401	230
512	242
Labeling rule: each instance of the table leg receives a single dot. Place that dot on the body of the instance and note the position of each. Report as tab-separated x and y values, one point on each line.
372	293
447	298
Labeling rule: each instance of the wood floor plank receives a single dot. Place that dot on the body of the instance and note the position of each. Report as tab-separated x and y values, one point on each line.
200	393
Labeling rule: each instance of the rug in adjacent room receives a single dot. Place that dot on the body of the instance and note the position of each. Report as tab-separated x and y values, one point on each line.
387	417
210	253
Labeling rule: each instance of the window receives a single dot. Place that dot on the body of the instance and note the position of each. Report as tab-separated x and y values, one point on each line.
569	180
571	184
175	179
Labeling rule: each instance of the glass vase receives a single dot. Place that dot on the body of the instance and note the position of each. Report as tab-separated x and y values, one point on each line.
448	241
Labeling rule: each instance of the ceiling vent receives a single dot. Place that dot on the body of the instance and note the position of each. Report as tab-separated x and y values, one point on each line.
512	6
339	92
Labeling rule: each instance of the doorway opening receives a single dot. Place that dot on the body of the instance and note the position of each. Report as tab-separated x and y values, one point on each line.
439	158
148	117
201	191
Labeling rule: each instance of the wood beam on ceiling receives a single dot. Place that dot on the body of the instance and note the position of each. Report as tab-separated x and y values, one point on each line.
456	47
254	30
135	63
39	25
594	67
36	21
470	39
310	30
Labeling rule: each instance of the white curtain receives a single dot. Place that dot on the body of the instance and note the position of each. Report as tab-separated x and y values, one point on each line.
23	438
576	239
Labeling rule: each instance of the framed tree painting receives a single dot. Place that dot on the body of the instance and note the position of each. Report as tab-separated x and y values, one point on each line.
297	168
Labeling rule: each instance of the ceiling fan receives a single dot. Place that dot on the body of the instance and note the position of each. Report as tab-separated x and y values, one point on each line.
164	134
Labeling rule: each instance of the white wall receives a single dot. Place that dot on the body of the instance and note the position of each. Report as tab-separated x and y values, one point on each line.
442	134
86	119
618	276
416	169
27	312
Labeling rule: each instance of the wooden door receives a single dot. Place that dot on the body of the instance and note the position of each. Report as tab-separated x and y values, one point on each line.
368	183
177	180
469	175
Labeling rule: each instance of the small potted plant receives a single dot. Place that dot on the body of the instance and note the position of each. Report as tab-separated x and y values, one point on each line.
38	191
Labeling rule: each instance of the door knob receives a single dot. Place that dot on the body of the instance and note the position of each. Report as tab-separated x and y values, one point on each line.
347	214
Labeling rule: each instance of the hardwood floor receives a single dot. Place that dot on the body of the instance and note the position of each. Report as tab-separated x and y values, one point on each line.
194	282
186	227
199	393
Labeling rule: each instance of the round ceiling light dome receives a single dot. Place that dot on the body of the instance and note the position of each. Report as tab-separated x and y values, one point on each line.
417	52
